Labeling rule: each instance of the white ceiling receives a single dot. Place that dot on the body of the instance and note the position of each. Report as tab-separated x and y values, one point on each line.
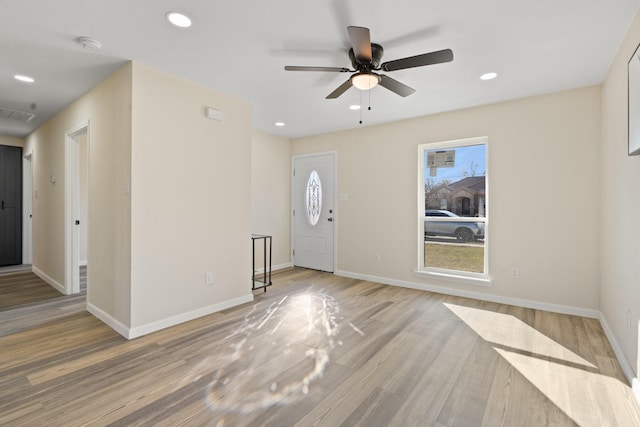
240	47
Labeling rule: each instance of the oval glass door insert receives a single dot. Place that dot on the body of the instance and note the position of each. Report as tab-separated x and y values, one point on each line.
313	198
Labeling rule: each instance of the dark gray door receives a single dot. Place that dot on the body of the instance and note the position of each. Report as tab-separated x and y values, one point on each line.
10	205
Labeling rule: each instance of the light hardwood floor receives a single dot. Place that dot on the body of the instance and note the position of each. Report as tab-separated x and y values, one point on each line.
316	349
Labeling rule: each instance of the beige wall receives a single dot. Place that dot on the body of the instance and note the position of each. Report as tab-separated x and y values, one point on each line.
620	206
11	141
169	193
107	108
271	195
543	202
191	198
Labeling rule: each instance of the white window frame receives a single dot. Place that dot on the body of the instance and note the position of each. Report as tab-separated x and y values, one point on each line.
458	275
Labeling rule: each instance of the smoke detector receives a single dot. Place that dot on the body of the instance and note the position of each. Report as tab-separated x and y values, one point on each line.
89	43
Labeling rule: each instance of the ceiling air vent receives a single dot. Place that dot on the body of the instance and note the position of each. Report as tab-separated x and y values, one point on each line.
16	115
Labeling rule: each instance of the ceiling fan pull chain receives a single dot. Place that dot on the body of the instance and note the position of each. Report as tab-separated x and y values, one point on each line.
360	110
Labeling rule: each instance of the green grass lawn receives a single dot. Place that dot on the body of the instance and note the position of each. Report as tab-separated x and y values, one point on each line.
454	257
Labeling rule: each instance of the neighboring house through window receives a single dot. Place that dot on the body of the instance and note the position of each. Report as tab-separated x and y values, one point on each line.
453	215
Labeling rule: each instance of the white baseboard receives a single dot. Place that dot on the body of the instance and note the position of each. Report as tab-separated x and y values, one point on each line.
635	387
41	274
537	305
131	333
624	363
275	267
139	331
106	318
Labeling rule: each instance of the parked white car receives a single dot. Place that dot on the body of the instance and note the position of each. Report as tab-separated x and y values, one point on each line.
463	231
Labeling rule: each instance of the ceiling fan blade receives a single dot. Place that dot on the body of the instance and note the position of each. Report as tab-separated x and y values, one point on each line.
361	42
303	68
395	86
340	90
431	58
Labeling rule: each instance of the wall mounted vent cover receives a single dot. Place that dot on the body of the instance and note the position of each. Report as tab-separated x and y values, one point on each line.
16	115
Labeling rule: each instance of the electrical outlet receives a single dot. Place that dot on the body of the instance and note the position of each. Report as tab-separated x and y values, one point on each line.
515	273
377	258
208	278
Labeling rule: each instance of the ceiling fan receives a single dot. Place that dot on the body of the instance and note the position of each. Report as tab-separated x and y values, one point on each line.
365	58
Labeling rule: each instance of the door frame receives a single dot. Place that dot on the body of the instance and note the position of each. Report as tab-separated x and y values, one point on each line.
336	221
27	208
72	208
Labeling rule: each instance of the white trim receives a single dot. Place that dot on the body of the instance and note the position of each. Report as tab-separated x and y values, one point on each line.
275	267
458	143
109	320
455	276
71	209
139	331
622	360
131	333
58	286
537	305
82	262
27	208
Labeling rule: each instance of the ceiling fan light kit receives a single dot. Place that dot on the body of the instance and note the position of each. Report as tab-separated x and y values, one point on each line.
365	58
365	81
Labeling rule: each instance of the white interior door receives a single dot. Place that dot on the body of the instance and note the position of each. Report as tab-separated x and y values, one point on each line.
313	211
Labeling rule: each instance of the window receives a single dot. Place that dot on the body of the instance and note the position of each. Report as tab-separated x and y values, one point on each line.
313	198
453	214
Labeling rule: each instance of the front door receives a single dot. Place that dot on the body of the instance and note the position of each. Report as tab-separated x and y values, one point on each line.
10	205
313	211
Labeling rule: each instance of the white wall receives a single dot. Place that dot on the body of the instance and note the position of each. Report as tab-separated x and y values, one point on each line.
543	204
271	195
620	207
191	200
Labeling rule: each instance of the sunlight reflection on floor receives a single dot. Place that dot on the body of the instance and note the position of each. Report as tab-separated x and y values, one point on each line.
243	377
572	383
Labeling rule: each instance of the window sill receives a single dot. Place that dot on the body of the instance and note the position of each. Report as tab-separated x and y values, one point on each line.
459	278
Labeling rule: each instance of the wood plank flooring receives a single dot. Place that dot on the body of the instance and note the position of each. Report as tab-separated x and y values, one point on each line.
316	349
24	288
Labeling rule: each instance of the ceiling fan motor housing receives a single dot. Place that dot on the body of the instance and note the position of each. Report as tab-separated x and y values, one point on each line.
376	55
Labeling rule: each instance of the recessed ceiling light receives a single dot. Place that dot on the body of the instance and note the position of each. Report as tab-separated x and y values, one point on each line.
279	124
488	76
354	107
25	79
179	20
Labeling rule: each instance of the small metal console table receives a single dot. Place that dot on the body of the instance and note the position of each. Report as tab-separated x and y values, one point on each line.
266	278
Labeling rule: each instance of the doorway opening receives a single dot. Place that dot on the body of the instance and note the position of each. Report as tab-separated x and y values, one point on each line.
76	208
